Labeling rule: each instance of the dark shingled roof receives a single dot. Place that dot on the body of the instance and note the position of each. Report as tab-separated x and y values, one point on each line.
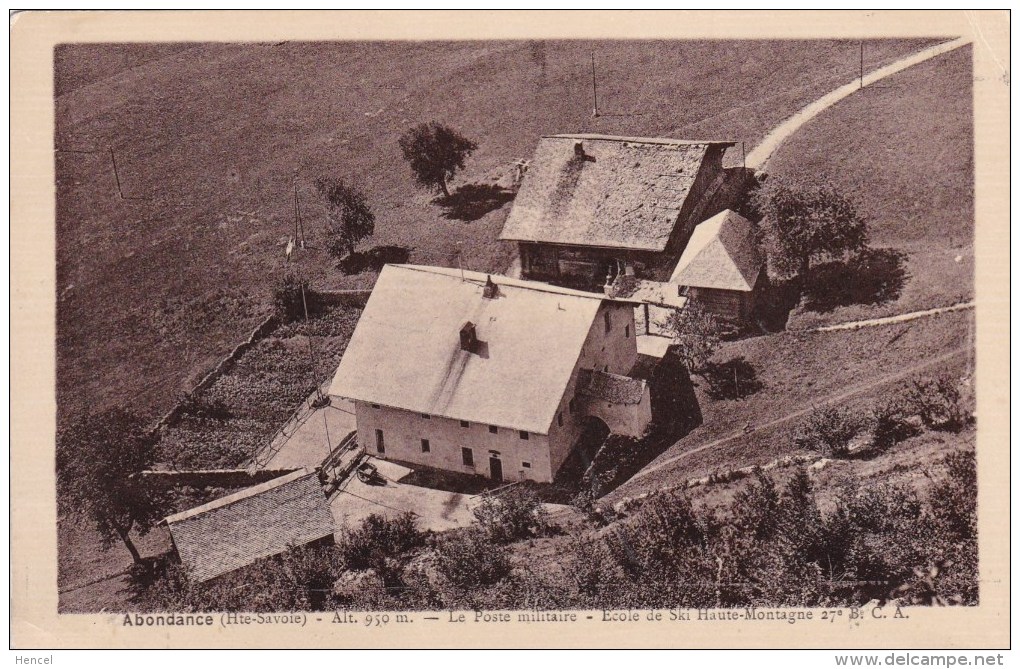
611	387
236	530
621	192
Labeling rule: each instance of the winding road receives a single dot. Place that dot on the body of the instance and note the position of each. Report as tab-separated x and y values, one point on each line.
759	157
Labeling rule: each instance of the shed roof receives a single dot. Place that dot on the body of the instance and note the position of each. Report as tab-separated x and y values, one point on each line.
406	352
264	520
721	254
621	192
612	387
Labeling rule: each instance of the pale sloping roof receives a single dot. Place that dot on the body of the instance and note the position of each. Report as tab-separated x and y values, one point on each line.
624	192
721	254
264	520
612	388
405	351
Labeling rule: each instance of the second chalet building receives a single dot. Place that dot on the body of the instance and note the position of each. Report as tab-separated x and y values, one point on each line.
488	375
593	204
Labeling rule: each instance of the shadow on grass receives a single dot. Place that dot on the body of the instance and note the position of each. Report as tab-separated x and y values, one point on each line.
374	259
472	201
734	379
874	276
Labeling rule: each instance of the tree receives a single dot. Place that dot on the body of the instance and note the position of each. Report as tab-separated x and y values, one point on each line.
435	152
695	333
100	458
802	223
349	217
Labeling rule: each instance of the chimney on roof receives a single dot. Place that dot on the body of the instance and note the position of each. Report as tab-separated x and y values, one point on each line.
468	337
491	290
579	149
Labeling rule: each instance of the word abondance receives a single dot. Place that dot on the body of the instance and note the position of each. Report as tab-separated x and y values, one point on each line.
168	619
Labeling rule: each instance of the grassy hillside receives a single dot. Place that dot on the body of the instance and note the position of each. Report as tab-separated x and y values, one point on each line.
903	149
793	373
209	137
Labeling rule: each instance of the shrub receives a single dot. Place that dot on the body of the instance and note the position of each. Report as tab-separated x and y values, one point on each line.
380	538
469	560
515	514
938	403
828	429
891	420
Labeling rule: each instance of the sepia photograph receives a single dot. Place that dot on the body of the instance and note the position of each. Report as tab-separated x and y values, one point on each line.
543	330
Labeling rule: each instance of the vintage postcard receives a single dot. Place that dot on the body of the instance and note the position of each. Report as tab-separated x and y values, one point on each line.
516	329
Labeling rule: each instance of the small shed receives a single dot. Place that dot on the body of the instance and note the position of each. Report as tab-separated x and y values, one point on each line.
721	266
264	520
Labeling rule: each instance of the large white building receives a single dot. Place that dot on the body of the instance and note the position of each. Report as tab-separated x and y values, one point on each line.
488	375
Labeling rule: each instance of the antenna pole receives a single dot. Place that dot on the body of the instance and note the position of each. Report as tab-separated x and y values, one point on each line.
594	88
116	174
297	216
862	64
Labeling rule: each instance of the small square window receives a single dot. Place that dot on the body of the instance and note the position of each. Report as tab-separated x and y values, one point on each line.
425	446
464	423
524	435
426	416
493	429
526	465
467	457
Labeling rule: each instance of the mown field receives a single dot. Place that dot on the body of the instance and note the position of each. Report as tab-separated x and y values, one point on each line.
209	140
903	150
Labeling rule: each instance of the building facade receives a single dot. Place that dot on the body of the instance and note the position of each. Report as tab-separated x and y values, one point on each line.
488	376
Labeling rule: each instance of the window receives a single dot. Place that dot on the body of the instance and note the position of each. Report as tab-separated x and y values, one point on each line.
526	465
380	443
608	317
493	429
524	435
425	446
467	457
626	331
426	416
573	404
559	419
375	406
464	423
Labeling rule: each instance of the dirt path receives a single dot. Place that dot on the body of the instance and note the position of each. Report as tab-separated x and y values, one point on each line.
838	397
759	157
889	320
